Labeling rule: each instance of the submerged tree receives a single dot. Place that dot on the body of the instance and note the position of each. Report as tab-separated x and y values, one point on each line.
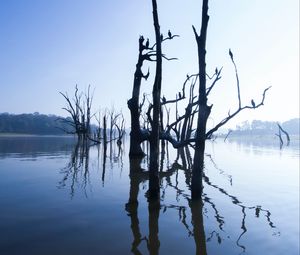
180	132
154	137
79	108
204	109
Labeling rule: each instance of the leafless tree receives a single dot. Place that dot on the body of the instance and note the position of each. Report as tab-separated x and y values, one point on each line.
190	127
280	129
79	109
204	109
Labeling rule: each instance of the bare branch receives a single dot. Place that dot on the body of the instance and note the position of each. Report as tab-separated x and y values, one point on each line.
169	59
218	77
237	79
230	116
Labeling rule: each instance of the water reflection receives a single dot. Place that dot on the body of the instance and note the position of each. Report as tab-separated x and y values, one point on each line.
77	172
35	146
138	176
259	144
197	208
204	221
77	169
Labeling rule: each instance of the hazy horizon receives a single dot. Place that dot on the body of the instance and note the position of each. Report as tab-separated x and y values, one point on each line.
51	46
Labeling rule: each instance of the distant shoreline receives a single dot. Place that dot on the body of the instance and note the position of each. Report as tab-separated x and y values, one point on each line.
33	135
256	136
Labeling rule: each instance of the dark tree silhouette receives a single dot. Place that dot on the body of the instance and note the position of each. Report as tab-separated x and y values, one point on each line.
79	108
136	134
204	109
280	129
179	132
155	124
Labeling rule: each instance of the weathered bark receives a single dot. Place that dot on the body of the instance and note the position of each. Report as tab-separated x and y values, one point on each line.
155	124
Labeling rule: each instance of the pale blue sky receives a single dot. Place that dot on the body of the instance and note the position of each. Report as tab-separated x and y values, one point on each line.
49	46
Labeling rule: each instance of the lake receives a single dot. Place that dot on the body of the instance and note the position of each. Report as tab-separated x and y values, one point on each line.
59	198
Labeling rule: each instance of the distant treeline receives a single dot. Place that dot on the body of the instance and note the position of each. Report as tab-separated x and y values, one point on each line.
35	123
258	127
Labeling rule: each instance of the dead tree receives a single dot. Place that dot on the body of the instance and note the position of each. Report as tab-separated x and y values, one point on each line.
121	129
152	53
88	100
204	109
180	132
79	108
97	135
285	132
280	137
113	120
136	134
104	131
154	137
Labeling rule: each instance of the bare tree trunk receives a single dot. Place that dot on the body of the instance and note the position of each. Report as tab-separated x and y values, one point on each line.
280	137
104	132
134	107
154	137
285	132
204	110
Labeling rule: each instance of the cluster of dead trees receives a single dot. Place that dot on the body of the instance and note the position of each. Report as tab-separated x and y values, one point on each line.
151	122
110	121
110	124
151	117
79	109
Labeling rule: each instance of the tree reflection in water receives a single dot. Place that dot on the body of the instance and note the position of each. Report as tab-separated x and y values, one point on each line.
77	170
191	215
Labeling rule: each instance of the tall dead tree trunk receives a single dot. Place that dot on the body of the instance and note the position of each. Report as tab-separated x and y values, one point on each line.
136	136
204	109
104	131
89	100
155	124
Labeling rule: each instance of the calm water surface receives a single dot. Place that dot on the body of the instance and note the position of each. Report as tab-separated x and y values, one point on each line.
58	198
